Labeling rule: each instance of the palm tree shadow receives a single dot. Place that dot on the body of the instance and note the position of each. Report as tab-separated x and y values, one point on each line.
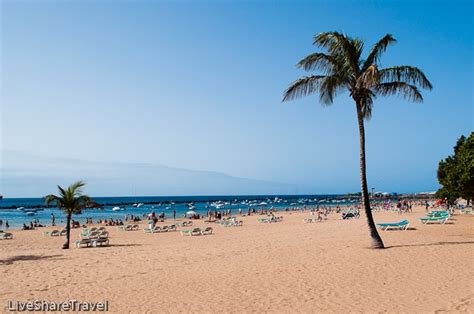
397	230
118	245
430	244
20	258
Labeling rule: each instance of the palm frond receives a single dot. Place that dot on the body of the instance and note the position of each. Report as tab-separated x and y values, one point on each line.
407	91
377	50
303	87
52	200
330	87
317	61
358	46
76	188
366	101
338	44
407	74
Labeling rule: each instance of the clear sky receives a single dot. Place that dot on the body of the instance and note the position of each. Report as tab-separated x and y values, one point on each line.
198	85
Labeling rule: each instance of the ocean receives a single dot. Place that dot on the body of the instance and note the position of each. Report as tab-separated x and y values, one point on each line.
14	210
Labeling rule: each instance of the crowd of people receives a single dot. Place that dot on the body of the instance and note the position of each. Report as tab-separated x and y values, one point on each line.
401	206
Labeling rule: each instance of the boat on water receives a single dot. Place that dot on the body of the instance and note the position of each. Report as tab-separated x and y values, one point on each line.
116	209
139	205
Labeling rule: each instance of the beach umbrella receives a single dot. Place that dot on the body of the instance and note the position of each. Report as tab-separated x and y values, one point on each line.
191	213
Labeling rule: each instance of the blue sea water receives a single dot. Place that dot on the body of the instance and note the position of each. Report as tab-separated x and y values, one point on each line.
166	204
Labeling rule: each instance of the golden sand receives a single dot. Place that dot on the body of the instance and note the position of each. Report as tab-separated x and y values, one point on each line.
280	267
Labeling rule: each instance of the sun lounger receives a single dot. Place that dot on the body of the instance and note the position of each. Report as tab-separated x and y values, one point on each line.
102	229
172	228
63	233
438	213
102	240
94	238
104	233
196	232
84	242
401	225
54	233
206	231
467	211
432	220
193	232
6	236
51	233
135	228
152	230
186	232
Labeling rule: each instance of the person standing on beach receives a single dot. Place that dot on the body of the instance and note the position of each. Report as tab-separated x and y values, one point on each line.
53	220
174	214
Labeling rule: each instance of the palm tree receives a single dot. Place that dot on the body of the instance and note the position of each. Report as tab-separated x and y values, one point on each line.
343	69
71	201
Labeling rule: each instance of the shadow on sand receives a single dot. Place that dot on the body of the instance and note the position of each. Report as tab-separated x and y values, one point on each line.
430	244
119	245
20	258
398	230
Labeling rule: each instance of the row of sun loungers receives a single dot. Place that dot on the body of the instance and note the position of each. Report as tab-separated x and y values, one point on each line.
231	223
158	229
55	233
184	223
93	239
439	217
270	220
6	235
311	220
128	228
197	232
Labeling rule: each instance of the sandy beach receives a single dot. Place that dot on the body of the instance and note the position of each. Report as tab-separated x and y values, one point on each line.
279	267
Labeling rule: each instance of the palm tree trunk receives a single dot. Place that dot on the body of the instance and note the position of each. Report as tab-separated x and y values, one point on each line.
68	231
377	241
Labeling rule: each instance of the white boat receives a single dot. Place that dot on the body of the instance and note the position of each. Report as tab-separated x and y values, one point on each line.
20	208
139	205
116	209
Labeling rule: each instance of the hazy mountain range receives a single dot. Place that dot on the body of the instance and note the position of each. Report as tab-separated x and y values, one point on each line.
25	175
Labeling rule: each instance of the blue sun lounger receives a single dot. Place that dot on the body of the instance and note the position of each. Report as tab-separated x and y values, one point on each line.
401	225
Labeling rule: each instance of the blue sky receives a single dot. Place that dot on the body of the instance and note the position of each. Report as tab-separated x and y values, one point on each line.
198	85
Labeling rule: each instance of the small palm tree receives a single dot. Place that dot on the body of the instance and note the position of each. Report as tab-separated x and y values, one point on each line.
71	201
344	69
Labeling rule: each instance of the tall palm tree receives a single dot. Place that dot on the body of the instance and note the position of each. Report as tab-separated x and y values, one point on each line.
71	201
343	69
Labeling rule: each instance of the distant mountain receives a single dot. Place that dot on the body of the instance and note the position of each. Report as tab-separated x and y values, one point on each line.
24	175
